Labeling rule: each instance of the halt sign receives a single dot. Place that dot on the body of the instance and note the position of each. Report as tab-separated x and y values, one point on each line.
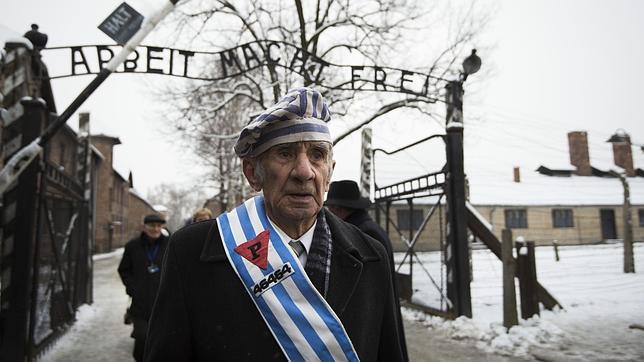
122	23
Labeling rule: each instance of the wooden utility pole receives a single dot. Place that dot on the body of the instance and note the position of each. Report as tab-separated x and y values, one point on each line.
629	261
509	293
527	272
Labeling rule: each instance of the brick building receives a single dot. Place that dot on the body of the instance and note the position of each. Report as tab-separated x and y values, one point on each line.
576	203
138	207
119	210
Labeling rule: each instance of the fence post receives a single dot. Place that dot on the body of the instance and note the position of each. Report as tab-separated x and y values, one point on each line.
457	261
509	294
527	272
555	244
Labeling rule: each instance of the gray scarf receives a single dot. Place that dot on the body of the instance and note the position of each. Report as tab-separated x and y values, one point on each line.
318	261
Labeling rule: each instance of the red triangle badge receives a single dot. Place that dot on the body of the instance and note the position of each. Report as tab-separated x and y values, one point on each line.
256	250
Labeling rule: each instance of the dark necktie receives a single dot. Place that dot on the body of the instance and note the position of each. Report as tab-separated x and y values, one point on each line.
297	247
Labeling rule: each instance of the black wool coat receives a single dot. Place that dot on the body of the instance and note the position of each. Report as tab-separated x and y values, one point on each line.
139	284
203	313
367	225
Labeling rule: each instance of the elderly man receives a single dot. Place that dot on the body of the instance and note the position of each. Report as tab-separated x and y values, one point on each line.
139	269
278	278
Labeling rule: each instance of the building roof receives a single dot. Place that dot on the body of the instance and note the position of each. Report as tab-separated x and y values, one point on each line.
537	189
115	140
135	193
554	182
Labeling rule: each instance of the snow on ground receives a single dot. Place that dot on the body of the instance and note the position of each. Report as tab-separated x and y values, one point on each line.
99	333
600	303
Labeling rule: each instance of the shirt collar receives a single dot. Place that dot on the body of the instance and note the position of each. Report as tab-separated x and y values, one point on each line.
306	239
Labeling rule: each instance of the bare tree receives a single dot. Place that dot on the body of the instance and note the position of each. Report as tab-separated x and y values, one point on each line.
209	114
181	201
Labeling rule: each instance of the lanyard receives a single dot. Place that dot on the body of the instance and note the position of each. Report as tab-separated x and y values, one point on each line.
152	254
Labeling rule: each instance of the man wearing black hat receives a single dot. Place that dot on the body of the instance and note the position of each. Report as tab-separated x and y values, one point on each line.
345	201
140	270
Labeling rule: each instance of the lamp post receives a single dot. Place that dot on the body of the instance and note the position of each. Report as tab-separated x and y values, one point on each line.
621	138
457	248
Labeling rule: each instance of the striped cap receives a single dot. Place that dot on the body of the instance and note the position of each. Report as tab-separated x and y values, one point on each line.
300	115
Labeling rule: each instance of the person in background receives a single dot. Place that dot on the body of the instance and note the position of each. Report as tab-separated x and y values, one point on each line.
202	214
345	201
140	269
279	277
164	213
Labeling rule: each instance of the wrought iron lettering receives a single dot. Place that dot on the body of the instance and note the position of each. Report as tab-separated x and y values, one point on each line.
250	57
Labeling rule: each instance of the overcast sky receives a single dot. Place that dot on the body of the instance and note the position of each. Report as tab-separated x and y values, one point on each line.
552	67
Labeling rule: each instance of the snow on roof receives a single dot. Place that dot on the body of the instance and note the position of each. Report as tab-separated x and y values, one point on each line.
601	157
560	165
489	188
96	151
537	189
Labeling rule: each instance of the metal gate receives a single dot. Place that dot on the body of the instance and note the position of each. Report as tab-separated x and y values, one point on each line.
45	251
447	187
432	188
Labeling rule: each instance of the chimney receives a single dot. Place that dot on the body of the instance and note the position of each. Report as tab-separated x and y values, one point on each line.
130	180
578	149
622	153
517	174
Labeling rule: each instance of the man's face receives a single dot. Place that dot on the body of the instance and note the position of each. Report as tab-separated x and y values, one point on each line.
294	178
152	230
341	212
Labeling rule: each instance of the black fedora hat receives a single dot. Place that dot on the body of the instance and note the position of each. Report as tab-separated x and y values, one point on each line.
346	193
153	218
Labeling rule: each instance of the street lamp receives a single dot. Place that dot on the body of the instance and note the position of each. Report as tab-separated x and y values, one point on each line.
458	252
471	65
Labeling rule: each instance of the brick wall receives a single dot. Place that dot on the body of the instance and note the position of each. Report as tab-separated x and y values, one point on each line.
623	156
62	150
119	207
119	212
105	175
578	149
138	208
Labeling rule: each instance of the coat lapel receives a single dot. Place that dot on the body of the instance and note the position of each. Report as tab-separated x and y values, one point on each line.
350	252
345	274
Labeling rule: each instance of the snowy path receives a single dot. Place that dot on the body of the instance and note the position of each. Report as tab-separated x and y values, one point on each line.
600	303
99	333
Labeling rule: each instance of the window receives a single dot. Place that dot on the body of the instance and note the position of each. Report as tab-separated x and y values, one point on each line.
641	214
403	219
562	218
516	219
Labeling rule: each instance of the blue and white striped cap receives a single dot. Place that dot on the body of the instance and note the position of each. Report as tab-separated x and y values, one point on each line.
300	115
